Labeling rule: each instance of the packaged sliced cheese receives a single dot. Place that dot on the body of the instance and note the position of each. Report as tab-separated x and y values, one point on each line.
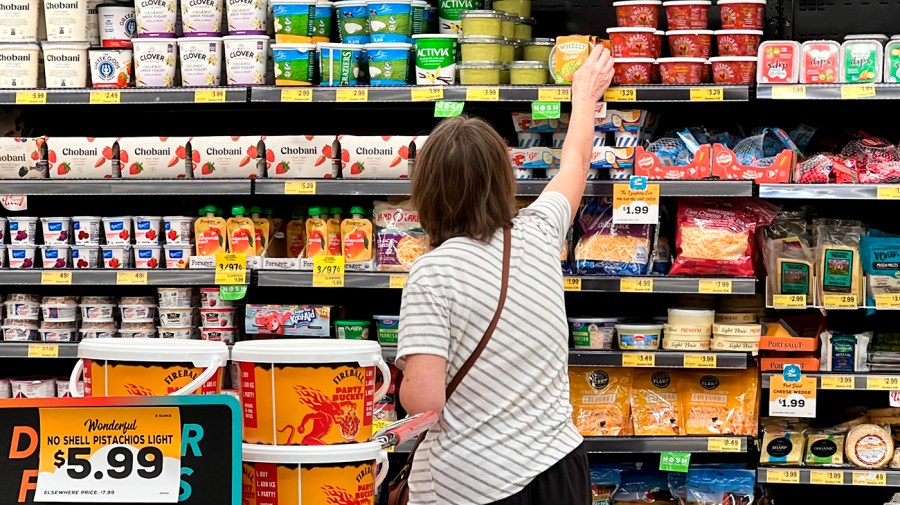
838	268
824	449
869	446
737	330
674	344
654	404
601	400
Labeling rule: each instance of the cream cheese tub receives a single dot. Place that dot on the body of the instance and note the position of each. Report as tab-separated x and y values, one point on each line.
639	336
593	333
65	64
65	20
155	18
201	18
309	392
201	61
246	17
245	59
117	25
19	21
346	474
19	65
110	68
149	367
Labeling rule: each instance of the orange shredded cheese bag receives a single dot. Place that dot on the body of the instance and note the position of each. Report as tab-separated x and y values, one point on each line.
713	403
655	409
601	400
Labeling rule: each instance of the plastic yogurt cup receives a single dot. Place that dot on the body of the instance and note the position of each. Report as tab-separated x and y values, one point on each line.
85	256
353	21
54	256
65	20
201	61
293	20
174	298
110	68
56	230
179	333
322	14
246	17
22	309
436	56
92	32
116	256
177	229
178	256
86	230
33	387
22	230
117	25
294	64
176	318
117	230
155	18
147	229
59	312
19	65
2	256
388	63
339	63
154	62
211	298
201	18
218	334
390	20
21	256
97	312
217	318
245	59
65	64
59	335
147	256
137	313
19	21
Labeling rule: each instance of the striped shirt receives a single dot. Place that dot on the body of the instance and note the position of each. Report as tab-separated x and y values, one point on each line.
510	418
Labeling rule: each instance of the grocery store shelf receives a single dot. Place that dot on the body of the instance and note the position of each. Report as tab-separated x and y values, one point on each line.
828	191
828	91
77	187
654	445
26	349
122	96
662	359
669	93
524	188
329	94
828	476
847	381
158	277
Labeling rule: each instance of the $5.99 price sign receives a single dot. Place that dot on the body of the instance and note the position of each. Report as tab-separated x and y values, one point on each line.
792	399
97	455
636	202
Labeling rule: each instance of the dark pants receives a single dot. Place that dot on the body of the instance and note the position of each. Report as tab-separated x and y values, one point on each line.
568	482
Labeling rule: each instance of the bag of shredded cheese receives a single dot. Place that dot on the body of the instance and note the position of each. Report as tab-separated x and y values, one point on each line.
654	404
608	249
600	400
715	403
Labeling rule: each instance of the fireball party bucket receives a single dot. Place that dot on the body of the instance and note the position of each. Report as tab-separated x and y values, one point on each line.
309	392
345	474
149	367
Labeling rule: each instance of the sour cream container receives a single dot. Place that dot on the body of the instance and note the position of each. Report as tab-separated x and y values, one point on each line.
65	64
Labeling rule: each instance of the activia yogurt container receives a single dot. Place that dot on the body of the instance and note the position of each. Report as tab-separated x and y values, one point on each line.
110	68
436	58
154	62
353	21
449	12
117	24
294	64
65	20
65	64
19	65
201	18
388	63
155	18
339	63
201	61
294	20
390	20
246	17
245	59
19	21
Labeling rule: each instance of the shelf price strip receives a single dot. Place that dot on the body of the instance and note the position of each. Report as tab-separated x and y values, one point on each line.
635	285
328	272
883	383
209	96
426	94
796	92
715	286
352	95
231	269
723	444
887	192
869	479
554	94
56	278
482	94
638	359
296	95
131	278
832	477
837	382
854	91
841	301
620	95
31	97
700	361
572	283
300	188
397	281
887	301
783	476
789	301
707	94
43	350
106	96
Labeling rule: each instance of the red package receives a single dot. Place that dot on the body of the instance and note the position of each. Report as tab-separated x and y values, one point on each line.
718	238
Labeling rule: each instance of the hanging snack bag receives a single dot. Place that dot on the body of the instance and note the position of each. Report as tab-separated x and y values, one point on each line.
608	249
600	400
654	404
399	239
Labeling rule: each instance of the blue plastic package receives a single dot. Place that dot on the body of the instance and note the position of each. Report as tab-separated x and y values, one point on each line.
880	255
604	484
608	249
643	486
721	487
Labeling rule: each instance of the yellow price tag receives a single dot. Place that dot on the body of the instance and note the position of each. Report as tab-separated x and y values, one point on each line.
483	94
426	94
131	278
716	286
209	96
841	301
795	92
888	192
705	94
783	476
56	278
31	97
300	187
700	361
852	91
572	283
869	479
638	359
43	350
398	281
554	95
635	206
352	95
297	95
723	444
636	285
837	382
620	95
231	268
106	96
380	425
887	301
789	301
826	477
885	383
328	271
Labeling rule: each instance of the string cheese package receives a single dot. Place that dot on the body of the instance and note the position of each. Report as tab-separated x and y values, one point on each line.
654	404
601	400
608	249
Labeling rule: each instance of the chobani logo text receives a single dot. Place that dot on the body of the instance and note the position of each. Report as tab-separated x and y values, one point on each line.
60	5
15	7
60	58
12	157
374	151
152	152
79	152
15	57
299	150
212	151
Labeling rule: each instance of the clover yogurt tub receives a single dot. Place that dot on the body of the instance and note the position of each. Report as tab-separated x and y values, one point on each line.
201	61
154	62
245	59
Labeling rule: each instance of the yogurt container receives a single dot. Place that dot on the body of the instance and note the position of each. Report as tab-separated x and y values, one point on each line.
201	61
147	229
21	256
211	298
156	18
339	64
388	63
217	318
479	73
97	333
245	59
55	256
56	230
116	256
322	15
138	333
5	389
117	24
593	333
176	333
33	387
110	68
201	18
246	17
19	65
390	20
353	21
174	298
639	336
19	21
62	385
154	62
294	20
176	318
59	312
65	20
2	256
117	230
218	334
147	256
352	330
22	309
92	31
87	256
22	230
20	333
86	230
97	312
178	256
483	23
178	229
638	13
137	313
387	329
2	229
294	64
65	64
436	56
450	11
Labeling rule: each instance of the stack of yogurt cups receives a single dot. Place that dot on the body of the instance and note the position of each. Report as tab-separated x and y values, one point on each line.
177	313
217	316
138	315
22	317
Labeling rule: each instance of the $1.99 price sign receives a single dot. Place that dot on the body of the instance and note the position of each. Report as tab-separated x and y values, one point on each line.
121	455
792	399
636	202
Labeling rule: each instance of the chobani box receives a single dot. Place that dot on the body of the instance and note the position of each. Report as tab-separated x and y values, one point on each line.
21	158
384	157
293	320
153	157
81	157
226	157
300	156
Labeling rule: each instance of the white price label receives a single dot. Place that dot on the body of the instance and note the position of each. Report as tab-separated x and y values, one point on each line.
636	202
792	399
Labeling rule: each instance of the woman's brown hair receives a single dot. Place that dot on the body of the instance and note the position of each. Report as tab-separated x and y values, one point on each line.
463	184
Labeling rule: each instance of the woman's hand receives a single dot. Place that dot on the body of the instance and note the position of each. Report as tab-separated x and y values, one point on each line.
594	77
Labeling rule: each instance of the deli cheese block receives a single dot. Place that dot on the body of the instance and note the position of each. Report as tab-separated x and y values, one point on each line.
869	446
824	450
839	270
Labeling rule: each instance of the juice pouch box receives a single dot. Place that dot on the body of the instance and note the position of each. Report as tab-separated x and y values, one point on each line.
21	158
209	231
226	157
81	157
153	157
356	236
277	245
568	55
262	228
241	232
316	233
300	156
296	236
385	157
334	231
862	61
779	62
820	62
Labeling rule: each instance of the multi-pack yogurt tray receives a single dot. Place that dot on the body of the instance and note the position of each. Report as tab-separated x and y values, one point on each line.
300	156
21	158
375	157
81	157
153	157
226	157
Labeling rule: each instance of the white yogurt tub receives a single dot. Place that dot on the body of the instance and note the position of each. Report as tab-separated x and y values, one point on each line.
97	312
147	229
21	256
176	318
218	334
178	333
211	298
116	256
201	18
144	333
93	23
86	230
59	335
2	229
5	389
22	309
19	21
85	256
110	68
117	230
33	387
178	229
639	336
56	230
19	65
62	388
2	256
154	62
137	313
65	20
146	256
20	333
117	25
201	60
245	59
178	256
65	64
217	318
59	312
175	298
246	17
155	18
54	256
97	333
22	230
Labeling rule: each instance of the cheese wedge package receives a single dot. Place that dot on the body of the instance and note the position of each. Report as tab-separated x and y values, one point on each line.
600	400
